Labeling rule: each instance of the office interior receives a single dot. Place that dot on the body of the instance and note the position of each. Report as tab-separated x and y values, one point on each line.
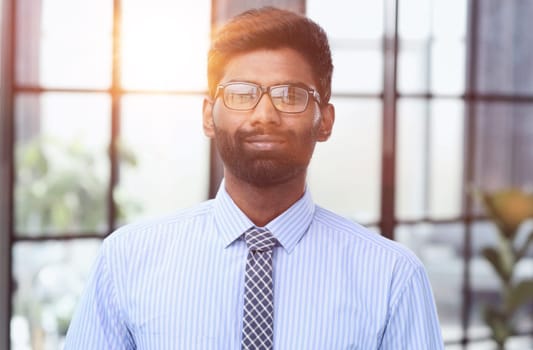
100	125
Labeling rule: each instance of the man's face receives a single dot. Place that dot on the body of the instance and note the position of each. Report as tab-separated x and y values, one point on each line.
263	146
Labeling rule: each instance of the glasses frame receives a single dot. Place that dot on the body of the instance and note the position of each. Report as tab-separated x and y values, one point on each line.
266	90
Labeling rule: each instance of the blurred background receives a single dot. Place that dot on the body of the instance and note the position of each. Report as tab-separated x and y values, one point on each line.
100	125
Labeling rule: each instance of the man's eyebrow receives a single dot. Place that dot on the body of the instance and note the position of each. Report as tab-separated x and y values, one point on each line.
284	82
292	82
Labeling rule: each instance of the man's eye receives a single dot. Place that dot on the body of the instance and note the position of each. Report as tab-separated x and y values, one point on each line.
243	97
290	98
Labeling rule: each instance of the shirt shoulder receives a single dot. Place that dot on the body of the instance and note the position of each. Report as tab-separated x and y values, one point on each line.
372	258
161	228
370	242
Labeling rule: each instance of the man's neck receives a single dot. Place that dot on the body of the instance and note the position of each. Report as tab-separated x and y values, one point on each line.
262	204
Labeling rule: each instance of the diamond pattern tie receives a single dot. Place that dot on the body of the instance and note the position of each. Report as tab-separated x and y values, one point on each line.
258	315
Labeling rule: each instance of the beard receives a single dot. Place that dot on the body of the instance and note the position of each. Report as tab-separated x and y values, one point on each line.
265	168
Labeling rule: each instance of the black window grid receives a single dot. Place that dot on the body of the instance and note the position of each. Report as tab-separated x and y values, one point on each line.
389	97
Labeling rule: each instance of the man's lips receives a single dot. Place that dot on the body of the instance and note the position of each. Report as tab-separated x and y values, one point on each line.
264	141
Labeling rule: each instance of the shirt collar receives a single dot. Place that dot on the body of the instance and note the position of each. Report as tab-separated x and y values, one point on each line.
288	228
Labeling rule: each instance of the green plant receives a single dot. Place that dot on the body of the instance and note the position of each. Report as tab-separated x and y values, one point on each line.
508	209
60	187
63	187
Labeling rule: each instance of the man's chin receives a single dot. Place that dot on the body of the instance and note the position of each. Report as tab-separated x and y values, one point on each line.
267	173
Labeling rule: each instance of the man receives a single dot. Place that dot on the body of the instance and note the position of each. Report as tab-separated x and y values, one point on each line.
260	266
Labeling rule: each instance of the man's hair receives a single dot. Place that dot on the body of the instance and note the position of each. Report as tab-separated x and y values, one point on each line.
271	28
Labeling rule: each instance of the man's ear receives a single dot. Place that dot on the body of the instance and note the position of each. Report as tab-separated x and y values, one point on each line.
208	124
326	122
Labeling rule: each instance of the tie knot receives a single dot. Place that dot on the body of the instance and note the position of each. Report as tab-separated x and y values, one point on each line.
260	239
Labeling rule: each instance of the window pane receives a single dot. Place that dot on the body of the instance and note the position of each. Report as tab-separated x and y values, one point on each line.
50	277
519	343
414	20
514	343
357	70
446	149
432	54
344	175
440	248
164	136
355	31
61	163
441	19
348	19
64	43
449	19
437	67
165	44
448	67
412	159
413	66
504	145
430	159
504	47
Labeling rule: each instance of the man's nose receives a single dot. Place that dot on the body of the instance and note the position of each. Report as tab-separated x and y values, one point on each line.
265	112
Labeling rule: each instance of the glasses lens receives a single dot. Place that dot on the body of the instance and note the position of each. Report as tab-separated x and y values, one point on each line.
289	99
241	96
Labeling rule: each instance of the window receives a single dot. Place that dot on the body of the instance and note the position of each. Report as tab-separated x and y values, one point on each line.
107	118
431	96
448	81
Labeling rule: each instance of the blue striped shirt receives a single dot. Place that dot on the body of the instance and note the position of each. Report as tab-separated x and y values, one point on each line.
178	282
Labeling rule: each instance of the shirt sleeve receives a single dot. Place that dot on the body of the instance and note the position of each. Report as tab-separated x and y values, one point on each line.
413	323
98	322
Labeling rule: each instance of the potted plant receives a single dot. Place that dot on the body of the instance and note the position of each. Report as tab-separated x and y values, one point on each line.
508	209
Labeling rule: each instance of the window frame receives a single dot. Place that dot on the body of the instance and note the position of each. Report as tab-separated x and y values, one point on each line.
220	10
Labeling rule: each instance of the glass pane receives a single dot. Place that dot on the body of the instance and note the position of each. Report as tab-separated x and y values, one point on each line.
169	155
50	277
438	66
504	145
165	44
355	30
432	54
519	343
440	19
413	67
62	166
481	345
348	19
453	347
439	247
64	43
344	175
414	20
357	70
514	343
448	67
449	19
429	159
446	158
412	159
504	47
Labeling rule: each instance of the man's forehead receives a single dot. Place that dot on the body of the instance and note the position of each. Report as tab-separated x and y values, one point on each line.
269	67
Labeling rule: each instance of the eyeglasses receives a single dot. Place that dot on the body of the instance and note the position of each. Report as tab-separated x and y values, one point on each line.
243	96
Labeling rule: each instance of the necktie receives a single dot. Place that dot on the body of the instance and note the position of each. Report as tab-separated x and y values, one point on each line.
257	332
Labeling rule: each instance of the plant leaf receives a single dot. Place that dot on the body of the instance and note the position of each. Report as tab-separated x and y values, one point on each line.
523	250
497	321
519	295
495	259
